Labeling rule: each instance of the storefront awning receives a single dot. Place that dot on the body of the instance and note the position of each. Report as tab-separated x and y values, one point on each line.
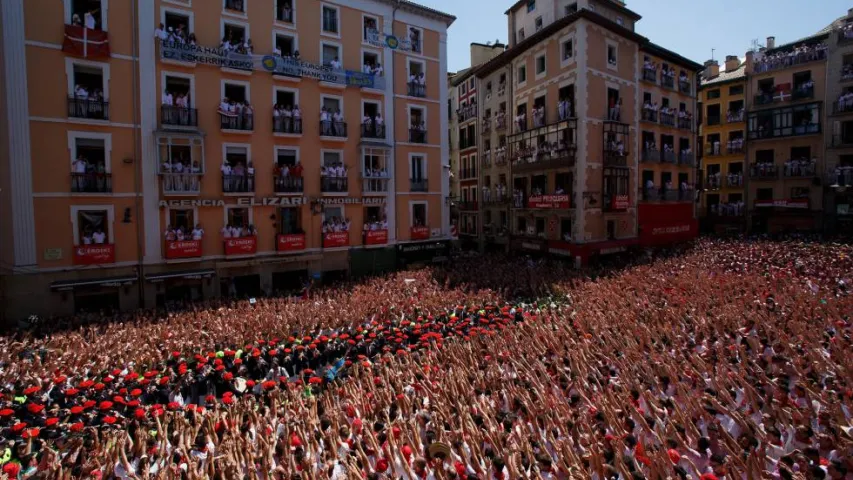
185	274
68	285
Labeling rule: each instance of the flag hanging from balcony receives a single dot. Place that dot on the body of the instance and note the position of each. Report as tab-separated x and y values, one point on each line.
85	42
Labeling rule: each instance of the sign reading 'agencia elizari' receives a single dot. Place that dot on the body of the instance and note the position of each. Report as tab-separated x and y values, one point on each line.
272	202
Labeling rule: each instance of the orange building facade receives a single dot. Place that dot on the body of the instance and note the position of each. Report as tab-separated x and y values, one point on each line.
128	121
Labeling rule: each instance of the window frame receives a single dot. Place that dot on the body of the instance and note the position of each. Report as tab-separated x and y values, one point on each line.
337	10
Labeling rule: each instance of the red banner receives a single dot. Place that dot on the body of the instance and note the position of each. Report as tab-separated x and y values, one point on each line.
94	254
620	202
335	239
667	233
796	203
183	249
376	237
241	246
293	242
548	201
420	233
86	43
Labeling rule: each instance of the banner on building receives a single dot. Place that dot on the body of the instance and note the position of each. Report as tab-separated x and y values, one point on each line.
85	42
183	249
420	232
548	201
795	203
376	237
241	246
94	254
382	40
219	57
335	239
293	242
620	202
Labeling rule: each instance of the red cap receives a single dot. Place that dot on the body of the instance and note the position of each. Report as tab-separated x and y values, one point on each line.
51	421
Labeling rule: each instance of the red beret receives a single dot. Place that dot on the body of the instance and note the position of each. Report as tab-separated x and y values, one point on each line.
35	408
110	420
105	405
51	421
77	410
7	412
77	427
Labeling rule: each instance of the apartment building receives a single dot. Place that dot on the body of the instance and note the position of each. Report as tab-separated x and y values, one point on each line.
786	87
723	130
559	127
838	194
305	139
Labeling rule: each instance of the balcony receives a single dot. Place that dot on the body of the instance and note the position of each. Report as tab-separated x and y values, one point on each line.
842	141
91	183
486	159
236	183
685	123
545	160
713	182
416	89
649	115
88	108
468	174
789	61
466	113
732	210
713	149
841	177
799	169
495	199
845	36
650	156
181	183
614	157
650	75
468	206
419	232
372	130
803	93
713	120
233	122
419	185
290	242
840	107
735	147
330	184
846	72
734	180
521	125
684	87
181	249
763	171
686	159
798	120
287	125
171	116
651	194
667	81
486	126
240	246
331	129
374	237
418	135
500	157
764	98
375	184
501	89
667	119
735	117
500	122
288	184
668	156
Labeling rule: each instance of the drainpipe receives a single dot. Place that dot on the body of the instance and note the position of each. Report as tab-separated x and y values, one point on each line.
137	149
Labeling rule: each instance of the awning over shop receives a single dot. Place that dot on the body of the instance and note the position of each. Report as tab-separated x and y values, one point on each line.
106	282
185	274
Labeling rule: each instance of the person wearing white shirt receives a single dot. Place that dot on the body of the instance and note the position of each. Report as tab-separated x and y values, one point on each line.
99	237
338	123
87	238
198	232
160	33
325	121
336	64
89	19
378	70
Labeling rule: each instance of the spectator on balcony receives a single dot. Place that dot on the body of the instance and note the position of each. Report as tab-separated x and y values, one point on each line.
845	101
521	121
99	237
615	109
539	116
325	122
170	234
682	77
650	145
79	167
668	149
160	33
564	108
226	231
650	185
335	64
89	18
378	70
87	237
649	65
227	178
75	20
338	123
250	176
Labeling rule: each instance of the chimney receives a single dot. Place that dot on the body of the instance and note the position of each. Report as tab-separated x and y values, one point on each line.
732	62
712	69
850	12
750	60
771	43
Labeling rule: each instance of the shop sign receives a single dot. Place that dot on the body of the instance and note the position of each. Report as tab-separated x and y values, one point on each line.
531	246
290	243
335	239
271	202
670	230
620	202
419	233
241	246
183	249
94	254
548	202
796	203
376	237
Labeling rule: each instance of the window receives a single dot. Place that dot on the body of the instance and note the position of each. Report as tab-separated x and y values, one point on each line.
735	90
418	168
237	158
177	22
566	229
238	217
521	225
284	11
91	79
764	194
236	5
570	9
234	34
92	226
471	84
370	59
415	35
331	159
88	13
330	20
331	53
331	213
520	34
236	93
713	94
540	226
568	49
370	27
531	5
538	23
182	219
286	156
540	65
92	152
285	45
289	221
419	214
522	74
611	55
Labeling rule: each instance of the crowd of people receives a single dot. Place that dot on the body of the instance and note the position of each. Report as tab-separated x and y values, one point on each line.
336	224
726	360
733	179
332	123
843	175
729	209
238	231
801	167
179	34
183	233
787	58
374	125
236	115
845	100
287	119
88	103
543	152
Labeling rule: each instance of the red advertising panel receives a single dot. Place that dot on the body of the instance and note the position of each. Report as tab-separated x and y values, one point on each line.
548	201
94	254
796	203
183	249
420	233
241	246
376	237
293	242
335	239
620	202
668	233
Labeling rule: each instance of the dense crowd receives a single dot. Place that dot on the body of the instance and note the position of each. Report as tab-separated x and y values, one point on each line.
730	359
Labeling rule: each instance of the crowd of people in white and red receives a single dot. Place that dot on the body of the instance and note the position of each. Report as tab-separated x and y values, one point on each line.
729	359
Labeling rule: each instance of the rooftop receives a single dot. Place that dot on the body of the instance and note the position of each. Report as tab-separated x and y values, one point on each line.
421	9
736	74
